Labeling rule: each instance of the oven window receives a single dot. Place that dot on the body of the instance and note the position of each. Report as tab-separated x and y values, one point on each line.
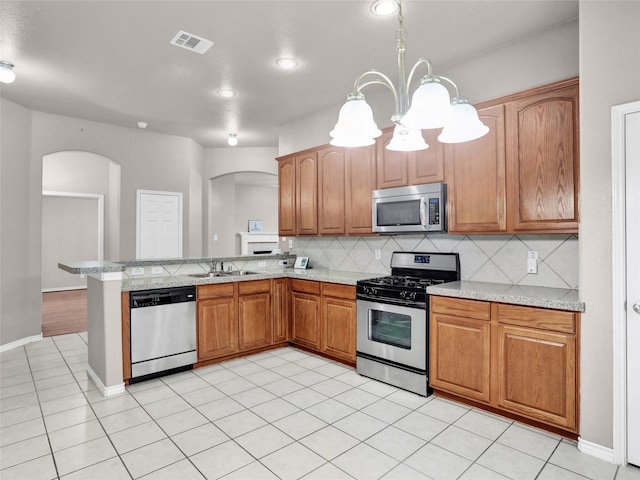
390	328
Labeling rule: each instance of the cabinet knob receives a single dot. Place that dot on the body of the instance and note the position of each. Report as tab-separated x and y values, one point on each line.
636	307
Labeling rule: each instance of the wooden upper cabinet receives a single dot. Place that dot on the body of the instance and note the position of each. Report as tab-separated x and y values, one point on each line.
287	196
543	161
307	194
331	191
475	177
391	165
427	166
360	182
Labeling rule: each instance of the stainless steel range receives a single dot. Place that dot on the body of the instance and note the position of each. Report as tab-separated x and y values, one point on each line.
392	334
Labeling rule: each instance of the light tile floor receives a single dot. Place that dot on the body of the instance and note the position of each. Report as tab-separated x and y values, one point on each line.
282	414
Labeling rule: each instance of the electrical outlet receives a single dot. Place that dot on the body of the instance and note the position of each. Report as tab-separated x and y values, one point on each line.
377	254
137	271
290	243
156	270
532	262
262	264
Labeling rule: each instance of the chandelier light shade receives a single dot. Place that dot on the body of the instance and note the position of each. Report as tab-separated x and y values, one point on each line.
407	140
464	124
355	127
7	75
431	107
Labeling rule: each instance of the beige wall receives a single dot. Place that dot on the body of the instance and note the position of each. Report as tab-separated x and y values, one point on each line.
609	75
20	220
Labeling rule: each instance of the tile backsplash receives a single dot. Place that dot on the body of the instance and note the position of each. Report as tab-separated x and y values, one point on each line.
483	258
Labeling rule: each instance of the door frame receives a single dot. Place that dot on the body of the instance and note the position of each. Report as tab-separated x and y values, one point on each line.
139	194
619	271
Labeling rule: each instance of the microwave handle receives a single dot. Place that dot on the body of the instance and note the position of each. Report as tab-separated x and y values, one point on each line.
423	211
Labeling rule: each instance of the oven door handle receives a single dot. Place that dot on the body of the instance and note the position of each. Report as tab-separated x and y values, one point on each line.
400	303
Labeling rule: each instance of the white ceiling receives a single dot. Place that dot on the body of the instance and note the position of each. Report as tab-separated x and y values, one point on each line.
111	61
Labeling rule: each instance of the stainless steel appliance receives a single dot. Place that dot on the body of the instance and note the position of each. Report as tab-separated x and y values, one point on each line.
163	331
392	318
417	208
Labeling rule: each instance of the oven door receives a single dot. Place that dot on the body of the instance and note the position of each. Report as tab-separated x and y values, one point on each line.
392	332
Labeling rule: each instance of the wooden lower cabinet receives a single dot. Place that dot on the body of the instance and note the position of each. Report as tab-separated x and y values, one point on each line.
305	313
514	359
255	316
338	321
217	321
460	350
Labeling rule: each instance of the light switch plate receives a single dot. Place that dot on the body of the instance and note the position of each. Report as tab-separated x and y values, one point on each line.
377	253
156	270
137	271
262	264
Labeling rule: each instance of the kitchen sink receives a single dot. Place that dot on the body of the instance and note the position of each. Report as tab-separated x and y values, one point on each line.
240	272
233	273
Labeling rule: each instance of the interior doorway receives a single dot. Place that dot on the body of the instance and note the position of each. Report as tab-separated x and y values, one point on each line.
626	281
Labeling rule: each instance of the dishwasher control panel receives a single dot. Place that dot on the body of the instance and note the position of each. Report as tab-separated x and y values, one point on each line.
152	298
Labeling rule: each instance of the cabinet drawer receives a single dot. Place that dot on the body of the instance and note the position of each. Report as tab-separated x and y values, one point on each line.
543	318
461	307
215	290
305	286
254	286
339	291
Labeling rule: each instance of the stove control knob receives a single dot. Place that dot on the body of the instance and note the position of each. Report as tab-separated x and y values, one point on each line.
413	295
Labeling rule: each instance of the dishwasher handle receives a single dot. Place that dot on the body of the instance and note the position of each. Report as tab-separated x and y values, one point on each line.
163	296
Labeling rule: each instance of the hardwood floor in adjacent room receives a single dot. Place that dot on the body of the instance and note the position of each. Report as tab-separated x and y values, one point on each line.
64	312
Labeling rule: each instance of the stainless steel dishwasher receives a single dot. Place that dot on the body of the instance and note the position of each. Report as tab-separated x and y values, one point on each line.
163	331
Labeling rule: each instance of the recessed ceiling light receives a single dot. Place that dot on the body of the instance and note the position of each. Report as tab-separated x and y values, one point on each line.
226	93
384	7
287	63
7	75
232	140
142	124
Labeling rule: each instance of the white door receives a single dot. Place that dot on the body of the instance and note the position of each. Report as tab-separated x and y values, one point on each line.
632	137
159	229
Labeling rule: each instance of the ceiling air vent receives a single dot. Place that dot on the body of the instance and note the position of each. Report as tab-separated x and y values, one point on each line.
191	42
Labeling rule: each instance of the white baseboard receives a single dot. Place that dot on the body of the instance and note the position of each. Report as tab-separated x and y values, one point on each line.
20	343
106	391
595	450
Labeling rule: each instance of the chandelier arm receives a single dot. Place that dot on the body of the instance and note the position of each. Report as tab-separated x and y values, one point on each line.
420	61
386	81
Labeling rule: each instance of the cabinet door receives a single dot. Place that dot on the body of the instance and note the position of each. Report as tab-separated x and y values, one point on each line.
537	375
280	296
254	321
391	165
287	197
475	176
360	182
339	328
542	161
460	356
331	193
217	327
427	166
307	194
305	313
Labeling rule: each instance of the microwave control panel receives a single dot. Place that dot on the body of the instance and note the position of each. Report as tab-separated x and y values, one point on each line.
434	211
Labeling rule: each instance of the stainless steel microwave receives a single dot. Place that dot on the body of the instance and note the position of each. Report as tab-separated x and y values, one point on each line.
413	209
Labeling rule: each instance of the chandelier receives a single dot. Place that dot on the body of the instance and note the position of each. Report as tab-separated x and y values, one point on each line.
431	107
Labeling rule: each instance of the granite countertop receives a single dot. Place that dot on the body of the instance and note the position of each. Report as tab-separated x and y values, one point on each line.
318	275
545	297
